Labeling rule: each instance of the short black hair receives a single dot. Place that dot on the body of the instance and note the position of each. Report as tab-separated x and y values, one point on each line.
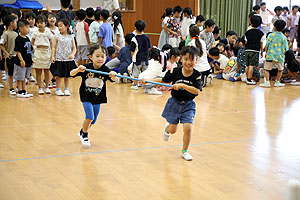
80	14
286	30
235	51
262	4
140	25
8	19
166	47
295	6
209	23
214	51
95	47
242	40
22	23
30	15
277	8
177	9
192	51
128	38
15	11
251	14
279	25
105	14
65	3
111	50
256	21
97	14
256	7
188	11
40	18
3	12
181	45
169	11
231	33
216	30
90	12
200	18
174	52
285	8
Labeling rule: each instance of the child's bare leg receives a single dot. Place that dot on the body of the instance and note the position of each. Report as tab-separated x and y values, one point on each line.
67	80
250	72
47	77
187	130
267	75
279	74
294	75
171	128
58	82
10	81
247	71
86	125
39	77
19	84
23	85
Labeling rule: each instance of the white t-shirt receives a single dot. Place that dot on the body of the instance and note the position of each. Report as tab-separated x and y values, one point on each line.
81	28
186	22
55	32
31	30
42	39
94	30
297	21
153	70
111	5
120	32
202	62
265	17
223	60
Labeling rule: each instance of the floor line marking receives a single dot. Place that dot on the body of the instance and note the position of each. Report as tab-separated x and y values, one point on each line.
125	150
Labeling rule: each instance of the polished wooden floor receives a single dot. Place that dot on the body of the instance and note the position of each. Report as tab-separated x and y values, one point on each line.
245	145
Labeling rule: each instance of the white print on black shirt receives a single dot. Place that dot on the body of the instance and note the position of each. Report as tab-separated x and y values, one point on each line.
184	81
93	84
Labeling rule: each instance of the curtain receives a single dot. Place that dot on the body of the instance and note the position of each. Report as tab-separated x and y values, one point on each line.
228	14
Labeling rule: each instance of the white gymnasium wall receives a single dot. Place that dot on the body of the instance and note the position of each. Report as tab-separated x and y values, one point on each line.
54	4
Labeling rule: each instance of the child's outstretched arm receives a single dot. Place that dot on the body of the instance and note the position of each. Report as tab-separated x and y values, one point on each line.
188	88
112	75
81	68
159	80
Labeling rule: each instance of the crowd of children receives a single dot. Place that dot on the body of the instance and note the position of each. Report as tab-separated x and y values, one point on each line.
190	54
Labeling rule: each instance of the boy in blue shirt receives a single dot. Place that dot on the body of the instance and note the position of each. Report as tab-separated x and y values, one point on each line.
105	30
140	46
276	47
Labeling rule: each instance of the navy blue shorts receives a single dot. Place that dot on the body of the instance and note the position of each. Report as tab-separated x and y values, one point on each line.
91	111
179	111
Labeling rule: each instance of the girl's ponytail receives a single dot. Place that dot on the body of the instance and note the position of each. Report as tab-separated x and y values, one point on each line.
195	32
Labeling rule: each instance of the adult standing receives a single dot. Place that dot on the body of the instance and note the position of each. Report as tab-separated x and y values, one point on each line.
265	15
110	5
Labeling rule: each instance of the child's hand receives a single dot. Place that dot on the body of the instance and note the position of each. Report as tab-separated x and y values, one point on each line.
71	57
52	59
6	55
143	81
81	68
177	86
112	74
23	63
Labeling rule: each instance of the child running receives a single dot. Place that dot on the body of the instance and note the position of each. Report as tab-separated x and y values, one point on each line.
63	52
181	107
93	89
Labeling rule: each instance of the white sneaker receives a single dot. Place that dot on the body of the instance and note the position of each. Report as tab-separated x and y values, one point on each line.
67	93
1	85
244	77
187	156
29	94
125	80
32	79
41	91
23	95
84	141
295	83
47	91
59	93
278	84
118	80
166	135
154	91
14	81
266	85
134	87
5	77
2	71
146	90
262	72
211	78
12	92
